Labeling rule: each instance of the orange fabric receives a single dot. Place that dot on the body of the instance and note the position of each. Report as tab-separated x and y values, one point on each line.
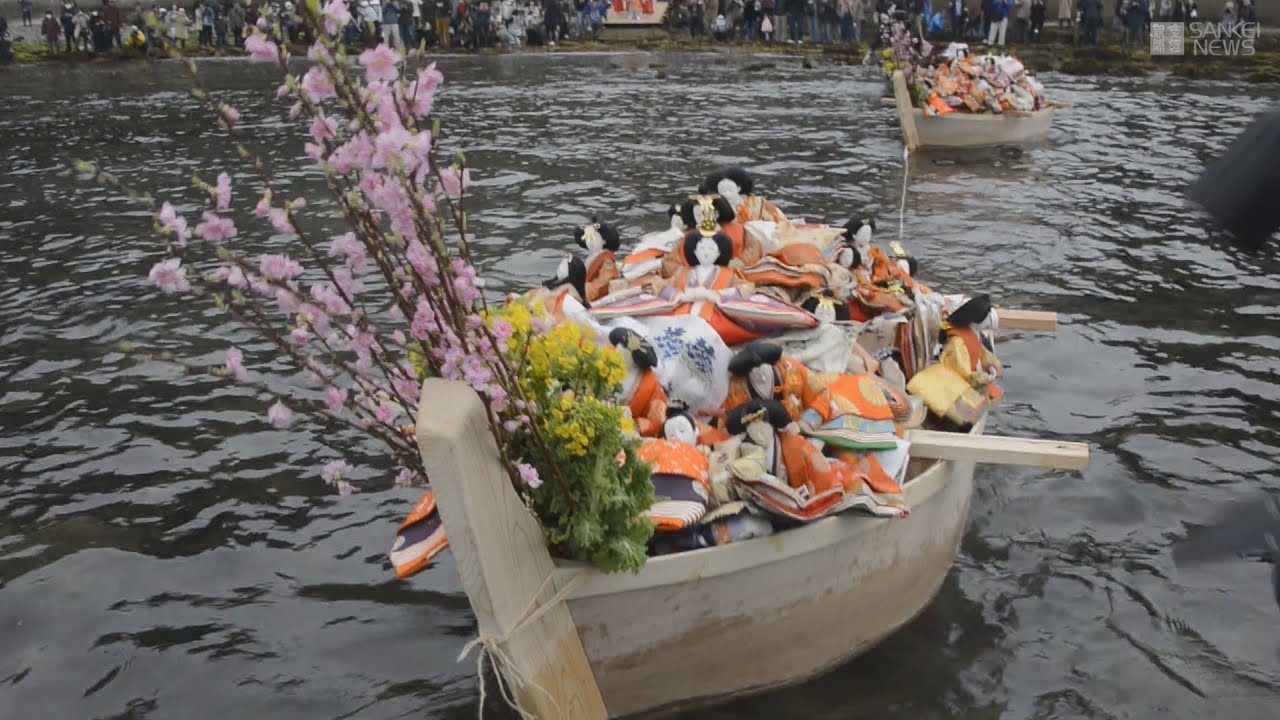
859	395
754	207
973	345
797	391
797	254
865	467
669	457
603	270
643	256
745	248
937	103
649	405
807	467
711	436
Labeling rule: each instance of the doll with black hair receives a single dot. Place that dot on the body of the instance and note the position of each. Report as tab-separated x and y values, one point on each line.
960	385
737	186
759	371
647	256
681	473
711	214
601	241
641	390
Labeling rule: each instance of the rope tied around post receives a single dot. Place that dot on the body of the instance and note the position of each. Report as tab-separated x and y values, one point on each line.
491	646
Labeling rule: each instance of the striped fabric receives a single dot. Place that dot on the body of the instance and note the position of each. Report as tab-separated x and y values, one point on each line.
777	498
856	433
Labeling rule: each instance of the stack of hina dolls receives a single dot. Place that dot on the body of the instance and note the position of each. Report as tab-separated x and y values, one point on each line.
773	368
967	83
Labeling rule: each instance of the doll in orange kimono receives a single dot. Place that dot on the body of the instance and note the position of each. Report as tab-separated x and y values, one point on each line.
601	241
760	372
681	474
960	385
647	256
718	294
641	389
569	282
778	469
735	185
710	214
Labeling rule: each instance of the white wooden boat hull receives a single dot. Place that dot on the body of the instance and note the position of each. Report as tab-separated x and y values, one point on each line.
771	611
966	130
960	130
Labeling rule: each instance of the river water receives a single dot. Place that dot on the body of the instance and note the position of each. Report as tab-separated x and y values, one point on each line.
165	553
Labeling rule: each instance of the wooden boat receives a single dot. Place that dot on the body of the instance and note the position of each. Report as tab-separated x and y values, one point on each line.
694	626
963	130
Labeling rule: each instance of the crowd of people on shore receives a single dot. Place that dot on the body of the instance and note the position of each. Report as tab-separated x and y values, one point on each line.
100	26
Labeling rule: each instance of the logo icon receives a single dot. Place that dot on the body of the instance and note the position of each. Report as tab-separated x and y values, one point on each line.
1167	38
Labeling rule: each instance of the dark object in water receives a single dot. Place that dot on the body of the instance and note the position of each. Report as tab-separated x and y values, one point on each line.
1239	188
1248	527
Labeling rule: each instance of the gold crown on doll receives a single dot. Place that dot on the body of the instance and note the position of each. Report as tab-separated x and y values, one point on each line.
749	418
898	250
710	222
589	232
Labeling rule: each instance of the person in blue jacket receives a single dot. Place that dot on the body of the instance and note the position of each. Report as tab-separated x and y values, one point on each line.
999	21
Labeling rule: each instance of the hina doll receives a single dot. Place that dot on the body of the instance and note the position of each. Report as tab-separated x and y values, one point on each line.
641	389
710	214
681	474
708	288
601	241
959	386
735	185
759	371
566	291
646	258
778	469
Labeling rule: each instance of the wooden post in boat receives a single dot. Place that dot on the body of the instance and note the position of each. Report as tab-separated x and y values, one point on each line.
502	557
998	449
1035	320
906	113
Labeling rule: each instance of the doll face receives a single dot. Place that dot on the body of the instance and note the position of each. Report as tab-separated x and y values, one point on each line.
760	432
904	266
679	429
825	312
845	257
730	191
707	251
592	239
761	379
562	270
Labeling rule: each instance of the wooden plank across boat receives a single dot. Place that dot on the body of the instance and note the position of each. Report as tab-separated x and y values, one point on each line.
699	625
965	130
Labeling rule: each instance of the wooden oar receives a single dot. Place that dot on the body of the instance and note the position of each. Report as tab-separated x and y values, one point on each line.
1036	320
999	450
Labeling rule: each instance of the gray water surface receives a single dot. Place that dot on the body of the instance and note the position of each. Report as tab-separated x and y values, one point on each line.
166	553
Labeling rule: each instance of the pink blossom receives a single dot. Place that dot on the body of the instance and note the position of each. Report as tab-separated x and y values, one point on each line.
364	341
215	229
279	267
299	336
223	191
280	221
286	300
345	488
352	250
424	320
386	412
280	415
333	303
236	278
530	476
260	48
171	220
346	282
335	470
316	373
263	207
316	85
235	364
422	261
319	53
323	128
389	144
511	426
453	182
407	389
262	23
422	92
335	398
336	16
406	477
315	317
314	152
502	329
170	276
398	337
498	398
381	63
